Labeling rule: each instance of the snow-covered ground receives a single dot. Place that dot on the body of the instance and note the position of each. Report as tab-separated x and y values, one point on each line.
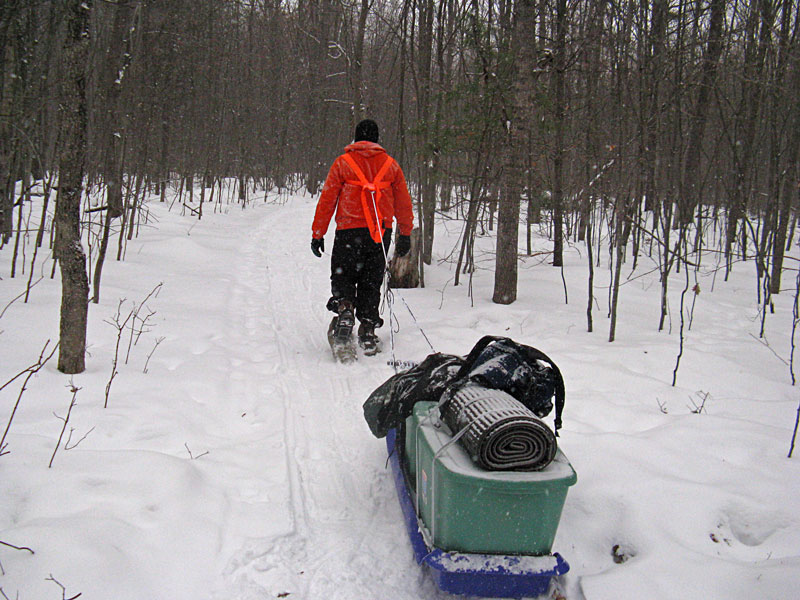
239	465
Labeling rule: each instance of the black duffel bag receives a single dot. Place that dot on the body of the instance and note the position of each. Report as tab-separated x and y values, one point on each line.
497	363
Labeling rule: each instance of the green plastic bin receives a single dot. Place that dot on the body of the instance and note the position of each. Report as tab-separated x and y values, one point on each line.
467	509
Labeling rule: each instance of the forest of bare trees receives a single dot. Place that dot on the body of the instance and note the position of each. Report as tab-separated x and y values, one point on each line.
668	129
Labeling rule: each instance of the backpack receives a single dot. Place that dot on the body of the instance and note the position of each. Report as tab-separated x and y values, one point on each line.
497	363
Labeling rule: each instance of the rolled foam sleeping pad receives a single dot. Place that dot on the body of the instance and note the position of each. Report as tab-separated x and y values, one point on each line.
502	434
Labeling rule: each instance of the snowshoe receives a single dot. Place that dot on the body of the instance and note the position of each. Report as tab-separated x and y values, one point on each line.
368	340
340	336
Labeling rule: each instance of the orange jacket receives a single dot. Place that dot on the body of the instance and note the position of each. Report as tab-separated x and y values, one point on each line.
342	195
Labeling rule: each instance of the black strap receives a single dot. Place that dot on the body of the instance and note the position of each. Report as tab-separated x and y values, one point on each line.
533	354
469	361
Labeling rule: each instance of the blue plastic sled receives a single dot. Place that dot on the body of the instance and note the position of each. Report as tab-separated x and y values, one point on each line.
489	575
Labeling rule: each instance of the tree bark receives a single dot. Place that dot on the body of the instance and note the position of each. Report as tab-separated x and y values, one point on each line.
791	184
357	82
788	177
68	248
517	108
559	97
7	107
426	164
692	186
744	146
117	59
101	258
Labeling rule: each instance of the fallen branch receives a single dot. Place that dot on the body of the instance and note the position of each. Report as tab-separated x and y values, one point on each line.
191	456
675	253
2	570
699	409
23	548
764	342
193	210
63	589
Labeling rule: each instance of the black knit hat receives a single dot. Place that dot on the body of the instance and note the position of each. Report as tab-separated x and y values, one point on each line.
366	130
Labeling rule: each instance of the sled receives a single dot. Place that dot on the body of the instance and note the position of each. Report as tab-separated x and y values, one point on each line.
496	575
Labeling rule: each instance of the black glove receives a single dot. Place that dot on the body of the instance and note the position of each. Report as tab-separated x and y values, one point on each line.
403	245
318	246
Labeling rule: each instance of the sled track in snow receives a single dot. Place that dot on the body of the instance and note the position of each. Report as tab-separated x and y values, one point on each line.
343	513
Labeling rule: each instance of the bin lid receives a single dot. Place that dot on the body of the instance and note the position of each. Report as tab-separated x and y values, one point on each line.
456	459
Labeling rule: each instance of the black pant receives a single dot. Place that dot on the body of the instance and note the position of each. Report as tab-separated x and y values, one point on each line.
357	267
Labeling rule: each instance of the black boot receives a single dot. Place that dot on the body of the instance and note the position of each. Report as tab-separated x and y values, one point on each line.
345	320
368	339
340	333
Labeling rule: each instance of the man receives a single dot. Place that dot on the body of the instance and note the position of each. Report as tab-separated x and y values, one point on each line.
366	189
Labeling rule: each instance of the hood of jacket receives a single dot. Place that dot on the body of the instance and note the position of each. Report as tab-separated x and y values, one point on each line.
365	148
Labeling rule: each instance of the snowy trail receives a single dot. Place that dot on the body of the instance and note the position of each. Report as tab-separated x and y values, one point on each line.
344	536
239	466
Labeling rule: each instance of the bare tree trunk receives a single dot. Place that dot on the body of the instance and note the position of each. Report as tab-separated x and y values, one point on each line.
789	177
751	103
465	256
357	82
533	212
25	194
134	204
401	102
427	183
117	60
787	195
691	184
623	228
68	249
101	258
6	138
406	272
559	97
164	170
666	262
515	148
590	258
